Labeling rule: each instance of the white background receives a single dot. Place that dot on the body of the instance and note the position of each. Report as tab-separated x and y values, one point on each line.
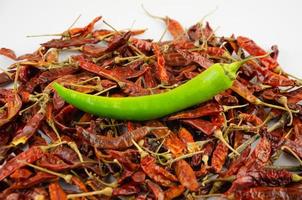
268	22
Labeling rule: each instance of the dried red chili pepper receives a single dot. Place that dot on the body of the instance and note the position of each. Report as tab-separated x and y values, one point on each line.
23	135
219	157
122	142
175	59
267	177
148	78
161	68
39	177
13	105
263	193
156	172
139	177
62	120
83	31
253	119
74	42
185	135
194	32
294	97
225	98
240	89
203	110
21	174
207	152
195	57
143	45
5	79
252	48
276	80
56	192
31	155
48	76
238	163
128	73
156	190
91	67
93	50
126	158
217	52
175	28
35	193
8	53
174	192
54	163
294	146
261	154
205	126
198	32
77	182
186	175
126	189
118	41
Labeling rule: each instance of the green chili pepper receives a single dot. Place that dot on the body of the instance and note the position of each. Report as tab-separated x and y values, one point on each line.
201	88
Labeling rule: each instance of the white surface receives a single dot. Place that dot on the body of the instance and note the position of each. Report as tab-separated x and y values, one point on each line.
268	22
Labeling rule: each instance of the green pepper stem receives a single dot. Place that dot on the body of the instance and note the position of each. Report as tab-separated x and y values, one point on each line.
231	69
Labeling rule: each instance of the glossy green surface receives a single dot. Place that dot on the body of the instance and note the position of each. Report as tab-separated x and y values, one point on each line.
203	87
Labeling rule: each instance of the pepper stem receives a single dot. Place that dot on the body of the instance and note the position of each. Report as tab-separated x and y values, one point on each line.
259	102
227	108
244	145
218	134
280	123
296	178
224	179
279	70
192	146
67	177
292	152
283	100
184	156
231	69
206	196
140	150
107	191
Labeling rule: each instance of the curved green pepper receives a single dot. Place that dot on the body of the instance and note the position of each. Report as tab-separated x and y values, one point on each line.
201	88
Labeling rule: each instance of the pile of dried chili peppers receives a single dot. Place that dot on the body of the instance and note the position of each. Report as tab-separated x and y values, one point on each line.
227	147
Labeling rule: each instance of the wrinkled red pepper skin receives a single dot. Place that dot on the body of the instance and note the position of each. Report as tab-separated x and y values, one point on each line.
29	156
252	48
157	173
264	193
